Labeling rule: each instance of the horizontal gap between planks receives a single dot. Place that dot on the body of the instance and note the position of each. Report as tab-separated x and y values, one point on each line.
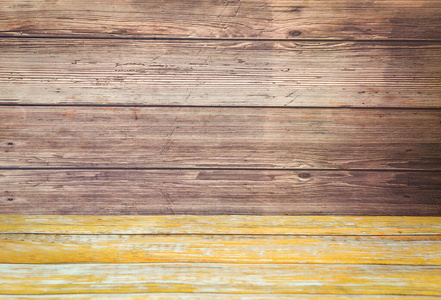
218	106
218	39
218	169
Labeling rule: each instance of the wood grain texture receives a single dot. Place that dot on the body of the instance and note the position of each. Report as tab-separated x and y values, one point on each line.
213	296
256	225
275	19
219	138
262	249
223	278
62	155
219	73
219	192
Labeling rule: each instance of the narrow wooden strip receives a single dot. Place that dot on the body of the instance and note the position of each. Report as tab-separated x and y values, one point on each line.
220	278
219	192
330	74
267	249
213	296
141	137
299	225
278	19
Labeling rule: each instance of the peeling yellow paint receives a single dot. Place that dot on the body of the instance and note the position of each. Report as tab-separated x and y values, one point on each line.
239	257
49	248
220	278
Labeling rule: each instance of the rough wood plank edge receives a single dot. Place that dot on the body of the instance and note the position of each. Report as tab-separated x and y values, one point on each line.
212	296
265	249
221	73
224	278
251	225
275	19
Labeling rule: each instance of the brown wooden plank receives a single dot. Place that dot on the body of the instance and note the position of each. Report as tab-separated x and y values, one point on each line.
329	74
275	19
218	279
194	137
219	192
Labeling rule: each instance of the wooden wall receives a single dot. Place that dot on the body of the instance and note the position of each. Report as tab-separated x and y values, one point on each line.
220	107
192	112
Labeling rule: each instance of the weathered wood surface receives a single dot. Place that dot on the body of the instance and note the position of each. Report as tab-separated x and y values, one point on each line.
191	265
275	19
213	296
262	249
252	225
326	74
220	278
219	192
198	159
219	137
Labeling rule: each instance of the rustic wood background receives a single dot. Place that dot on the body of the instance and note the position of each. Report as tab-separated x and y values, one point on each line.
220	107
220	149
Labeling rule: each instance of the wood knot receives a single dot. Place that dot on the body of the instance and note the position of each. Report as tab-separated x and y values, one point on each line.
304	175
10	144
294	33
10	199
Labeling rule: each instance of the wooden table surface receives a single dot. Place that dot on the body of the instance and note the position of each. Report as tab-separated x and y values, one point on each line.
220	149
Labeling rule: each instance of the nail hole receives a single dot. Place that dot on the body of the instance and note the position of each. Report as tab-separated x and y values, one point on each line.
10	199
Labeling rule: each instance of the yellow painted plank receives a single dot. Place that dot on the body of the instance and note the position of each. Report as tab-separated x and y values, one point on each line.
214	296
220	278
265	249
287	225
